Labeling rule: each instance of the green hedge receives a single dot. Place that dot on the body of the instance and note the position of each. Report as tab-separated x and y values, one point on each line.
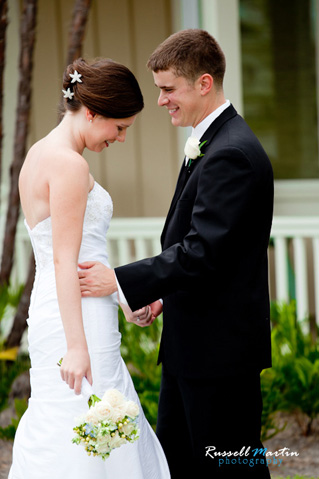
292	384
139	350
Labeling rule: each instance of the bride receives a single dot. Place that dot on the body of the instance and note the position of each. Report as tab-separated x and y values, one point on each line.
67	215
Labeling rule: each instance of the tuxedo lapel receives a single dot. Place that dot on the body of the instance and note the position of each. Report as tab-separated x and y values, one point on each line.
184	174
181	182
211	131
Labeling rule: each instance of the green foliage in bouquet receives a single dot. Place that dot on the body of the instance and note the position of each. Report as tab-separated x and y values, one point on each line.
139	350
292	383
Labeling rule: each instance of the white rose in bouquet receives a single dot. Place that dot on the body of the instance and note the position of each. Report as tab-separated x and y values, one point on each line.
132	409
116	440
113	397
103	410
128	428
102	445
80	420
118	413
92	417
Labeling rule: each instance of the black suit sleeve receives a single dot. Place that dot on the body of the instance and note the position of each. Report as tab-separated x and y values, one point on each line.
225	190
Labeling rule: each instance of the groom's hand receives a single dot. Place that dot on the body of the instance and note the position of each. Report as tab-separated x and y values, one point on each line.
96	279
156	308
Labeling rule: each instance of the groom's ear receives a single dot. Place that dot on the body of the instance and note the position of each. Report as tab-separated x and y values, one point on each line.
206	82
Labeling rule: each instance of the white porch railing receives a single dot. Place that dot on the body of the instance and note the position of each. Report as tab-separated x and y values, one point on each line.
296	239
293	254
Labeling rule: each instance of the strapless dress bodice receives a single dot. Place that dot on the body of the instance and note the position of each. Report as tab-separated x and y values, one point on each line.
98	214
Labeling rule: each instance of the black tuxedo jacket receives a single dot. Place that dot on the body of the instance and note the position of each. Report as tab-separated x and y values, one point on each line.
213	271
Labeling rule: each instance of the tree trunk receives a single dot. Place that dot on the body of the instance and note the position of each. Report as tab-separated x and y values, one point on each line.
3	27
76	36
80	16
20	319
77	29
27	32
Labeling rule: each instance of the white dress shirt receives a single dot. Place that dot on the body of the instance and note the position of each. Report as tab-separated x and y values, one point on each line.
200	129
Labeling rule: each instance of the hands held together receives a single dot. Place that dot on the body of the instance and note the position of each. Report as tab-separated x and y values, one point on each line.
144	316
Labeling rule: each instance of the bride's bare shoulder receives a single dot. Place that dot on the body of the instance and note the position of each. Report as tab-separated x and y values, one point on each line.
53	155
69	168
49	163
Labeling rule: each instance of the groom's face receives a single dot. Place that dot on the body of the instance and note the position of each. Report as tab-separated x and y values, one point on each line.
181	98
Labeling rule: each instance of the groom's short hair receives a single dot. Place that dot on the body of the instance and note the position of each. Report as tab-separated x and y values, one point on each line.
190	53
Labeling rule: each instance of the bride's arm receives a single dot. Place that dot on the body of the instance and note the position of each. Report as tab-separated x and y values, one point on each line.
69	188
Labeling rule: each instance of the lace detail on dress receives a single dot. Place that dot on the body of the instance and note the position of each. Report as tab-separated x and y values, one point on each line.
98	214
99	206
41	239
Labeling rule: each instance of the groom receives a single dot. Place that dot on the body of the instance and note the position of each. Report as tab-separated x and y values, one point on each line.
212	273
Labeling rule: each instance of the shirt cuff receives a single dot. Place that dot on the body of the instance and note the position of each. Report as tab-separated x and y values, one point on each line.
122	298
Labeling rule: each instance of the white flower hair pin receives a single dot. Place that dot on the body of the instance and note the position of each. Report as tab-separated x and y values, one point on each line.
192	149
76	77
68	94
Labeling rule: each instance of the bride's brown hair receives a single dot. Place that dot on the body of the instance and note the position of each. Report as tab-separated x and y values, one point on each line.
108	88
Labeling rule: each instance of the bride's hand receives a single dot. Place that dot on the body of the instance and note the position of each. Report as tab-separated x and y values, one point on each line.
142	317
76	365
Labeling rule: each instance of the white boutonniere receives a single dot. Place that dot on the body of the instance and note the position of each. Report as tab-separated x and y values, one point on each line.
192	149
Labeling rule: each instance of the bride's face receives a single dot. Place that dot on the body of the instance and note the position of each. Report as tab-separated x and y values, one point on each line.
103	131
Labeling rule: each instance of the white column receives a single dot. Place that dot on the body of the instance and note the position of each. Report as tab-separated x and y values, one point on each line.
221	19
185	14
281	269
316	275
300	257
190	14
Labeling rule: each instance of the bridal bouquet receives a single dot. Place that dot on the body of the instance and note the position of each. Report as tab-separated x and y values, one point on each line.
109	423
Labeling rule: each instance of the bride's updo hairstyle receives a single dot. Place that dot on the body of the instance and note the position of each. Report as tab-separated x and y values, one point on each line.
105	87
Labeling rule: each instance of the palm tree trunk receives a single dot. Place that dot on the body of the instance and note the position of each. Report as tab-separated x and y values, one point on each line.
27	32
77	29
3	27
19	323
80	17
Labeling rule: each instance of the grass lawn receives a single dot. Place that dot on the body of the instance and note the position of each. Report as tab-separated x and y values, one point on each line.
294	477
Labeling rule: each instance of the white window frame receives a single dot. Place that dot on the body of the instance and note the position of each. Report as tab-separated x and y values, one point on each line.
222	20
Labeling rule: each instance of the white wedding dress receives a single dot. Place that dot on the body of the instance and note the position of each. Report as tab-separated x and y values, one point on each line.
42	447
